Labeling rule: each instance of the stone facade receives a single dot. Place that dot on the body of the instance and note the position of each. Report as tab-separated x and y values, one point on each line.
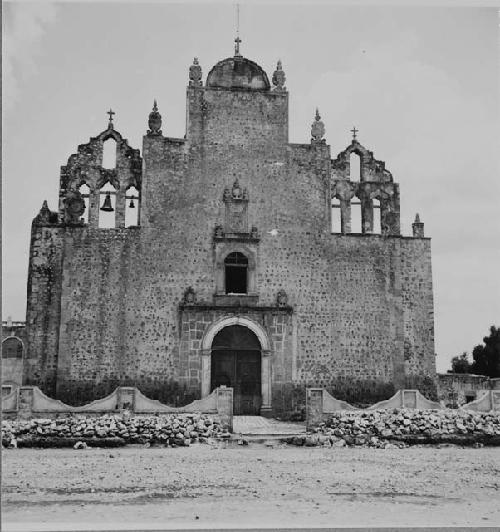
139	305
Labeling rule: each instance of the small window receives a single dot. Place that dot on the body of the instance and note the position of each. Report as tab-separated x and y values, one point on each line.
355	215
6	390
376	217
109	154
355	167
131	207
85	192
107	196
12	348
336	216
236	266
469	398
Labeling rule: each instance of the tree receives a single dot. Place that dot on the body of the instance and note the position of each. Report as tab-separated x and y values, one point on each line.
460	364
487	357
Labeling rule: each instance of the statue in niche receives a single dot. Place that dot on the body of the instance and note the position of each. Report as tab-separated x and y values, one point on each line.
189	296
218	232
282	299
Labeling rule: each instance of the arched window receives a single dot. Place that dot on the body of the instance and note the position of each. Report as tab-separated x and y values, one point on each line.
236	270
131	207
85	192
107	197
355	167
12	348
109	154
355	215
336	216
376	217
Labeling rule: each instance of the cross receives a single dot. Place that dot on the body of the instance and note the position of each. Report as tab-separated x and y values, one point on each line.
354	131
237	47
110	113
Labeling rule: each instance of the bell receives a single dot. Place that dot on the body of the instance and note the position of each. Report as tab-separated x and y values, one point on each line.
106	206
131	204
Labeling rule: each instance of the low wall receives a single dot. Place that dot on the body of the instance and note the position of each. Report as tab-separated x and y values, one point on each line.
28	402
319	404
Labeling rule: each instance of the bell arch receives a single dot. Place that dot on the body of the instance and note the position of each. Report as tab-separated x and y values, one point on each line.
263	338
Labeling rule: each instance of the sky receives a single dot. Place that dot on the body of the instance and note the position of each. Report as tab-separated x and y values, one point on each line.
420	83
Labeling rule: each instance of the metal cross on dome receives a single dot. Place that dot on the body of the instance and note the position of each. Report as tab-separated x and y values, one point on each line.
354	131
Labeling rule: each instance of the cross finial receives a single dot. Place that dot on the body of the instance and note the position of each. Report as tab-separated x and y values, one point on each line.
237	40
354	131
111	113
237	46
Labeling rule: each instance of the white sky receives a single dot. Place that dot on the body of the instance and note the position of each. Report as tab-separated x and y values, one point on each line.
421	85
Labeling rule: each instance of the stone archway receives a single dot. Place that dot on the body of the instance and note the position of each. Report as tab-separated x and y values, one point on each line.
265	361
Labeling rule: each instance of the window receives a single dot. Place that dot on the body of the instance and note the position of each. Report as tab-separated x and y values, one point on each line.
236	269
109	154
107	196
6	390
376	217
355	215
12	348
85	192
355	167
336	216
131	207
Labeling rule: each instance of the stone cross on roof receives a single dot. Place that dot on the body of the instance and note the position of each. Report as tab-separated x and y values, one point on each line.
354	131
110	113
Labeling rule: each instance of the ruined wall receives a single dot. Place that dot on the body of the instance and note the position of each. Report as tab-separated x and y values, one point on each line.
13	350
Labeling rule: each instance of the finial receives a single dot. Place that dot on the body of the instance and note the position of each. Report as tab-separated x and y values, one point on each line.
154	121
110	113
195	74
237	40
354	131
418	227
317	129
279	77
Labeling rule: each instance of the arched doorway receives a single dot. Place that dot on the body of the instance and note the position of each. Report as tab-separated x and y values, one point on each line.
236	363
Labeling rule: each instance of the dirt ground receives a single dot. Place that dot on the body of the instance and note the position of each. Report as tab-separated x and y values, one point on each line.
255	486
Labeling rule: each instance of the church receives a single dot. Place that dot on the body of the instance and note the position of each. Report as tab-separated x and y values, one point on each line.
229	256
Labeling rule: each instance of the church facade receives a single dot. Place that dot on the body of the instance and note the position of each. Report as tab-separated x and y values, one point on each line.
228	257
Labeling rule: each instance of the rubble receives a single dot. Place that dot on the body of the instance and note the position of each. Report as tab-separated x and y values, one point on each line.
401	427
113	430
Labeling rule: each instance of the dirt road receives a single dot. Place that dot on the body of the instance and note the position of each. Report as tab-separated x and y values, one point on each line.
254	486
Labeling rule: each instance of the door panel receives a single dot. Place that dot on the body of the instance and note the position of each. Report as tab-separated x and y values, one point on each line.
240	369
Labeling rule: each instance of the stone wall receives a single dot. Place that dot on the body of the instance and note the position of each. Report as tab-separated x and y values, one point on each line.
104	305
13	351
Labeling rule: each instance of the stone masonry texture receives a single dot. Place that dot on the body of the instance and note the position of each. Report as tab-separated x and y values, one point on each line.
107	307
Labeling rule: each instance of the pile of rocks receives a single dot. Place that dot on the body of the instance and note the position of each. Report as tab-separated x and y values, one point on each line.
173	429
382	428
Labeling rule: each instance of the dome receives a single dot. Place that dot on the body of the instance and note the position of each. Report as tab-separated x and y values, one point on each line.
238	73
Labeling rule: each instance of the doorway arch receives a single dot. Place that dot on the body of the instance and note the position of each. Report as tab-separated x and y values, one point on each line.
254	339
236	363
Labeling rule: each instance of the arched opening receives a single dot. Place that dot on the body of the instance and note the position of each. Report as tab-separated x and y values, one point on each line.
107	209
131	207
236	273
336	216
109	154
355	167
85	192
12	348
376	217
236	363
355	215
